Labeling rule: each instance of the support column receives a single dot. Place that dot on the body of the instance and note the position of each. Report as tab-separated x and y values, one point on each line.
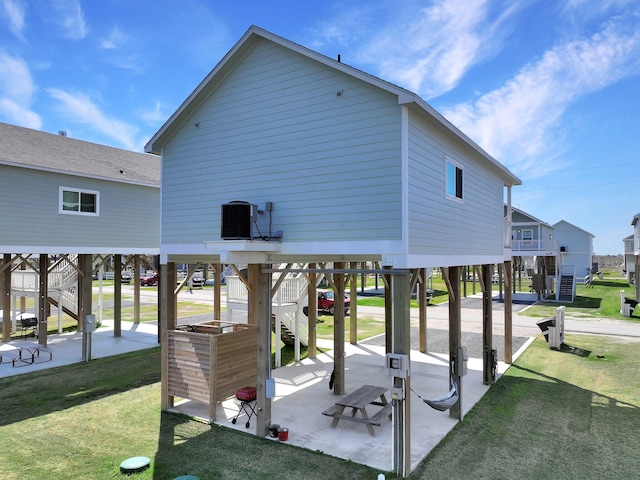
312	312
487	325
353	308
168	277
338	330
388	312
217	281
422	306
136	288
43	282
260	297
401	325
84	292
452	279
508	312
117	295
5	281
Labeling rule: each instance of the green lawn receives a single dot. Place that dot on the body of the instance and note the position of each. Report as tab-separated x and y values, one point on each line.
601	300
568	414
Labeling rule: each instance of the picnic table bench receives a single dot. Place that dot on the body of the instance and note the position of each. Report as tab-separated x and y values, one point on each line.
358	401
26	353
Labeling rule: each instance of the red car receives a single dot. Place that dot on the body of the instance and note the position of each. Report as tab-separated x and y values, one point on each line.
326	301
149	280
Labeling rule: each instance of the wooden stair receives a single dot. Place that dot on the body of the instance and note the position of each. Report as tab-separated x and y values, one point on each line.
565	292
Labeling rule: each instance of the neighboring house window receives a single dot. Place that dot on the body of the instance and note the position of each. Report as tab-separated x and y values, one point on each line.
79	202
527	237
454	180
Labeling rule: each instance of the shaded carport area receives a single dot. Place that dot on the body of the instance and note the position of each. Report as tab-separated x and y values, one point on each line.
301	391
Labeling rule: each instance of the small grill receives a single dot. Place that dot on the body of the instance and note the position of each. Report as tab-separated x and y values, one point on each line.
247	398
28	321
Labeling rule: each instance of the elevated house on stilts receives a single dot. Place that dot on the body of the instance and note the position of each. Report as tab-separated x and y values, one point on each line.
70	209
284	162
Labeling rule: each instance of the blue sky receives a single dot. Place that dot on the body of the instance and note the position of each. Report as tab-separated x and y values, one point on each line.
550	88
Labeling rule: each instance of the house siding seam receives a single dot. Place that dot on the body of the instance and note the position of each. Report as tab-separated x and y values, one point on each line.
310	152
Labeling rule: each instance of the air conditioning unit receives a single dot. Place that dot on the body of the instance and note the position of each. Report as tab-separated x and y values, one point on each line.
237	220
563	249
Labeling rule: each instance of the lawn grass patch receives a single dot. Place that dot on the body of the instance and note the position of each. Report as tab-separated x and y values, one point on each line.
600	300
552	415
367	327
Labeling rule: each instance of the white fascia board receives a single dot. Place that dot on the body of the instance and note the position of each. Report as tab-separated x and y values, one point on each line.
289	249
422	261
54	250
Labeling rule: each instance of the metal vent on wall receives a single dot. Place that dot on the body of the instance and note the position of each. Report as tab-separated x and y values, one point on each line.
237	220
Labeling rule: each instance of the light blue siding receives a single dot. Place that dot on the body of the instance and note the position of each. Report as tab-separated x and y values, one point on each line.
129	214
276	130
443	226
578	247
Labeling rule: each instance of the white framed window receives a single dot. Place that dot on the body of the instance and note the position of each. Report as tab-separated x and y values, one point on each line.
79	202
527	236
453	179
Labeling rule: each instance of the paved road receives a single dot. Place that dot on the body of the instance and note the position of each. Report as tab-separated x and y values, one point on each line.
438	315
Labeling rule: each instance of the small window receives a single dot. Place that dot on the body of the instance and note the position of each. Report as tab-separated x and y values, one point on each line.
454	180
79	202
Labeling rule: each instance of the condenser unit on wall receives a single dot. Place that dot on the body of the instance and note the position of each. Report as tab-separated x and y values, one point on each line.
237	220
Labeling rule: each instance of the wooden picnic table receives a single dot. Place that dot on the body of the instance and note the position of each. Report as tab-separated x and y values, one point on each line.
358	401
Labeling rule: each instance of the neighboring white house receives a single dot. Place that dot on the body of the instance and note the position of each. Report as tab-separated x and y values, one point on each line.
576	248
629	267
635	223
561	249
531	236
63	198
284	156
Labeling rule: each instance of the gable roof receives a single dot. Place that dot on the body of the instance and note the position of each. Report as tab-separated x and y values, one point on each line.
531	218
247	43
572	225
32	149
635	219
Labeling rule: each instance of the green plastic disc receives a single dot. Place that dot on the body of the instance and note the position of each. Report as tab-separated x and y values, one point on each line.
134	464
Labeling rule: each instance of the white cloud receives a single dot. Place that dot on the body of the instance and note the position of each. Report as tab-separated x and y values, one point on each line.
80	108
117	38
518	123
430	49
16	92
155	115
14	10
69	15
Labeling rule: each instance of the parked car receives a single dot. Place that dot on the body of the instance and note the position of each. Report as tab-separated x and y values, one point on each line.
197	281
326	301
149	280
126	277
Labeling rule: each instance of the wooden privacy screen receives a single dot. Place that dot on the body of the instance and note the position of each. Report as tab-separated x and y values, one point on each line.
210	362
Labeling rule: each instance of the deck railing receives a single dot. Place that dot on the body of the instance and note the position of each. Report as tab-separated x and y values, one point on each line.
535	246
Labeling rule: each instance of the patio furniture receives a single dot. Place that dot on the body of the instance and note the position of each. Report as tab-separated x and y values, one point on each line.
30	352
9	356
358	401
247	398
27	321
